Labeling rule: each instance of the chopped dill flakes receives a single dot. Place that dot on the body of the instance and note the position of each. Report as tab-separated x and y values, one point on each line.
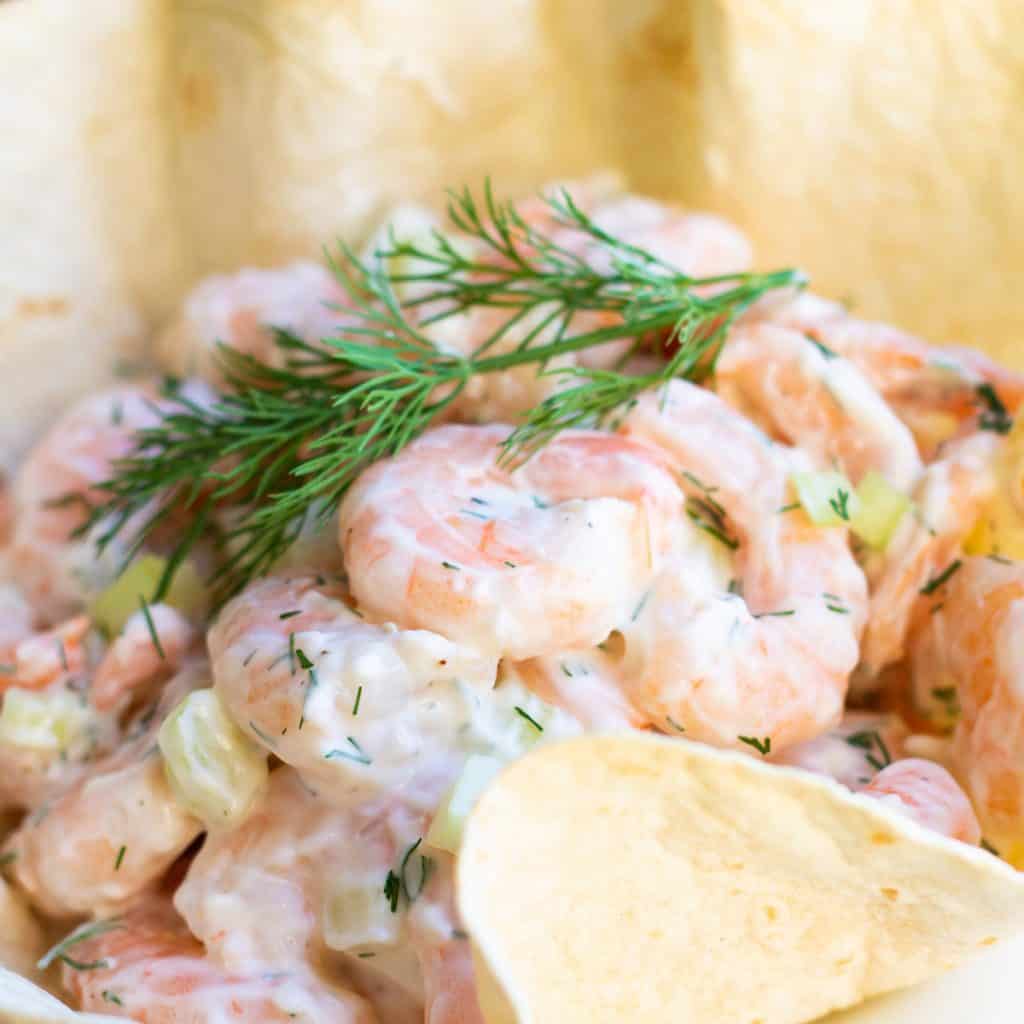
356	755
529	718
763	747
933	584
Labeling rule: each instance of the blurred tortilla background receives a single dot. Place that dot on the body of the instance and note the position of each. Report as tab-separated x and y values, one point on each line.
148	142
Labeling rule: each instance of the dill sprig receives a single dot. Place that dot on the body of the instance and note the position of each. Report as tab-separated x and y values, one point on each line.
284	442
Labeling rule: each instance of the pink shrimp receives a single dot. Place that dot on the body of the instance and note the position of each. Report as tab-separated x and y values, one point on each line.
362	707
950	497
695	244
240	311
852	753
41	659
928	794
77	453
588	684
973	635
803	395
937	391
866	753
520	562
148	968
311	861
773	663
114	831
68	668
148	650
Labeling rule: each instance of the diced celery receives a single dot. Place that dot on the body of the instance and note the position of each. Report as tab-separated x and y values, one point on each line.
113	606
358	914
42	721
827	497
445	831
215	770
881	507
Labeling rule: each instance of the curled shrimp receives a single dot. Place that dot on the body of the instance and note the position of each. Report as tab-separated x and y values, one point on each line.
364	706
854	751
114	831
867	754
146	966
519	562
949	498
90	688
928	794
695	244
938	392
821	402
41	659
53	570
149	649
774	662
972	632
240	311
300	855
589	685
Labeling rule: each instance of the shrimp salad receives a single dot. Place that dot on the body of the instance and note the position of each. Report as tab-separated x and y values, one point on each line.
805	547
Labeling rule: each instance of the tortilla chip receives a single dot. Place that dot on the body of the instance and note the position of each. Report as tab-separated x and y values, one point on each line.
633	879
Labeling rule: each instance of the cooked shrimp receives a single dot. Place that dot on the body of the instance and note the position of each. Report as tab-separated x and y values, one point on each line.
949	497
148	968
789	385
443	951
240	311
324	872
774	662
927	793
112	833
587	684
699	245
936	391
52	569
149	649
866	753
363	706
853	752
518	562
85	692
696	244
278	863
974	633
43	658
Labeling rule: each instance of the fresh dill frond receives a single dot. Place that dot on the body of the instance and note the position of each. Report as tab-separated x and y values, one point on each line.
284	442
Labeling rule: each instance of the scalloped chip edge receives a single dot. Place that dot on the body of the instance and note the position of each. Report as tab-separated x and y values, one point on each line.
631	878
